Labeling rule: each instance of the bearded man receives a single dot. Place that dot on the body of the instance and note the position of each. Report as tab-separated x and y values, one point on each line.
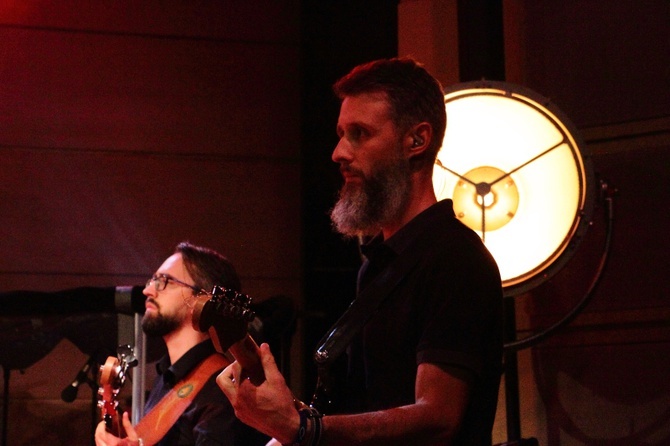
171	293
425	369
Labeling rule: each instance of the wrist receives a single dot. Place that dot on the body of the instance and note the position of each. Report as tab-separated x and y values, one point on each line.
295	423
310	428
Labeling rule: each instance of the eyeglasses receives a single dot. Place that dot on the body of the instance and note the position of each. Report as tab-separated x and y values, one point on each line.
160	282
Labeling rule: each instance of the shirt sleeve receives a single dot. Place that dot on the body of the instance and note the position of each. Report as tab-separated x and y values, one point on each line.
461	311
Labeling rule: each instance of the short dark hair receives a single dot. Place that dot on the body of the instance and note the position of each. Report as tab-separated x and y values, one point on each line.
208	268
413	94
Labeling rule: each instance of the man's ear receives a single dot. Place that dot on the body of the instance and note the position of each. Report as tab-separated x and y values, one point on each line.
418	139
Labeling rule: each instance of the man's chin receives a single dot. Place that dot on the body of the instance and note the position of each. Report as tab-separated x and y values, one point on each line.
153	314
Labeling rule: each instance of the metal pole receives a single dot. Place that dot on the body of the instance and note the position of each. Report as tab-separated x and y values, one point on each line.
139	374
512	409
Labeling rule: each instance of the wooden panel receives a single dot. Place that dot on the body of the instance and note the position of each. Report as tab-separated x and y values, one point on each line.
73	90
599	61
428	32
603	394
260	20
608	394
120	214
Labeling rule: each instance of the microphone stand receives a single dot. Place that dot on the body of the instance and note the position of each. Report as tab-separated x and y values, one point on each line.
69	394
93	384
5	404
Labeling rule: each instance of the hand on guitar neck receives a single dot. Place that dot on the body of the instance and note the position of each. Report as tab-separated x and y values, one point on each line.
225	315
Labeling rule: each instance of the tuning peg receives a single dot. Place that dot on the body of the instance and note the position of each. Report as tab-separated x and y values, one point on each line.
126	355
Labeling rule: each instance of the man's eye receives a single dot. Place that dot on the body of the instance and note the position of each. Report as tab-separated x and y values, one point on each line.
357	133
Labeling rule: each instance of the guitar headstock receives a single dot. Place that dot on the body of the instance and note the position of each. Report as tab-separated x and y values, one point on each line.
225	314
112	377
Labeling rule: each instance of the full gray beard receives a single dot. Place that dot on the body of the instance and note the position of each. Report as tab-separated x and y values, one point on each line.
363	210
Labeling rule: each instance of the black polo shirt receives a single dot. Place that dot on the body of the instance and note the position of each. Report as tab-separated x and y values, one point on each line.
447	310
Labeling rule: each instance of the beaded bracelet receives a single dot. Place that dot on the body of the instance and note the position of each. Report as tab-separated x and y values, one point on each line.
310	430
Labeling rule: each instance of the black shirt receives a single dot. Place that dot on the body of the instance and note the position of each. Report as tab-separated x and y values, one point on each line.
447	310
209	419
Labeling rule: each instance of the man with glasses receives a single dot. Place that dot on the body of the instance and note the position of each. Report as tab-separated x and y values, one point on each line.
170	297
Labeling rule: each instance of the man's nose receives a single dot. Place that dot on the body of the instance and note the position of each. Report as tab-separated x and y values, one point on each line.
341	152
149	289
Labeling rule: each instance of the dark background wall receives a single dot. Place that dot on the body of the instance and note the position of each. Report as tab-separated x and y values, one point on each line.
126	128
607	66
336	37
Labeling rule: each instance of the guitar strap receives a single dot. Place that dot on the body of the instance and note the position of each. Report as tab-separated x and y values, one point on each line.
155	424
343	332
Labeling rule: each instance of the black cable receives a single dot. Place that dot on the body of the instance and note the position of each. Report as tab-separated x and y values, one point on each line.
535	338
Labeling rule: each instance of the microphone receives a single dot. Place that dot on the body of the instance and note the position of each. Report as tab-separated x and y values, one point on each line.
111	299
69	393
129	299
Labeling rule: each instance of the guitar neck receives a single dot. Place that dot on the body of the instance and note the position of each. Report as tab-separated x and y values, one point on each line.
246	352
109	385
113	423
225	315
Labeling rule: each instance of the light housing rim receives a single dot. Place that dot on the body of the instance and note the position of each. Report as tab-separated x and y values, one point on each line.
581	221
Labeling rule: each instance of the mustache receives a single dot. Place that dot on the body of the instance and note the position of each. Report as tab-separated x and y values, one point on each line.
153	301
346	168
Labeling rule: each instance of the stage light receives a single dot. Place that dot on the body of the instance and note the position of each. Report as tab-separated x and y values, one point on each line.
519	176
